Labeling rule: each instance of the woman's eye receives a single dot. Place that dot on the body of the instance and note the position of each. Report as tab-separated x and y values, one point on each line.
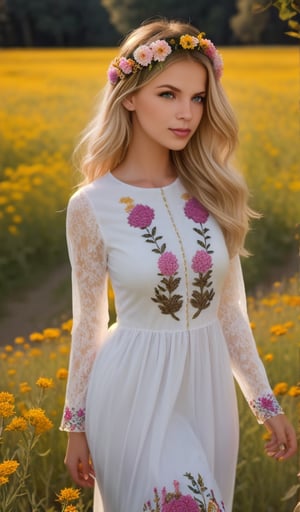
167	94
199	99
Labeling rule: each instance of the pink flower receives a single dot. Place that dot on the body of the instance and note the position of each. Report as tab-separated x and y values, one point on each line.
141	216
68	414
80	413
218	66
161	49
267	402
201	262
195	211
113	75
181	504
143	55
125	65
167	264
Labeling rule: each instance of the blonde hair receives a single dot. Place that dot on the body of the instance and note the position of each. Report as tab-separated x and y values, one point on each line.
203	165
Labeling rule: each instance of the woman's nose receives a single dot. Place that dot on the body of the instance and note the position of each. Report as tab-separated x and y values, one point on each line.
184	110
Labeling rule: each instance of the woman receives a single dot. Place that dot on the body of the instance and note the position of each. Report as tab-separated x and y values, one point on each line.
151	403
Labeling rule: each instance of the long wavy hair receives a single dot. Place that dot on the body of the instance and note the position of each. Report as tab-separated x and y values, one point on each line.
204	165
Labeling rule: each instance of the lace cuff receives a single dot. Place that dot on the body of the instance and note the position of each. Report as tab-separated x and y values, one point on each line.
265	407
73	420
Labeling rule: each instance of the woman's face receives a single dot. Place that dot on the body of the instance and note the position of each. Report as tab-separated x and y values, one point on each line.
168	110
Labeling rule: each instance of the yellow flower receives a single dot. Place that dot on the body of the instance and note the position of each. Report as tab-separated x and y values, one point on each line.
8	467
36	336
17	219
3	480
252	325
51	333
280	388
188	42
10	209
294	391
6	409
269	357
19	340
7	397
68	494
35	352
45	383
70	508
8	348
38	419
12	229
24	387
62	373
17	423
67	326
11	372
64	350
278	329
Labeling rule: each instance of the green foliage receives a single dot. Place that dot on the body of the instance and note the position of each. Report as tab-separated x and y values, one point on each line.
288	10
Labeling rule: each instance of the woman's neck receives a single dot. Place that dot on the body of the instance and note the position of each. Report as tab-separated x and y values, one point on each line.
146	167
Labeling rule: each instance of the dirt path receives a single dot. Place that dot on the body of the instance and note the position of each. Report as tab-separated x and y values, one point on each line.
38	308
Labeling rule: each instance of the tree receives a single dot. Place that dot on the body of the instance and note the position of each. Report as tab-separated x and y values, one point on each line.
288	10
212	17
246	25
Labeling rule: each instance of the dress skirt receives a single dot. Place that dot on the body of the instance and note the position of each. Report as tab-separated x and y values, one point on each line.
161	404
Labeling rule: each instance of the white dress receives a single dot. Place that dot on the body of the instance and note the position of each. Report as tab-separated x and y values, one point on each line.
155	393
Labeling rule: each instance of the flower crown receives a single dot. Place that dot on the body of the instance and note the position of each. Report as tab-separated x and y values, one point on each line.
146	55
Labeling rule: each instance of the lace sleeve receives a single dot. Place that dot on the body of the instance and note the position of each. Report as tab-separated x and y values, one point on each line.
90	309
247	366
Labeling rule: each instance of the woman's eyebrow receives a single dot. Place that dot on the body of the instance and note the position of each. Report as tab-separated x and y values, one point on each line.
173	88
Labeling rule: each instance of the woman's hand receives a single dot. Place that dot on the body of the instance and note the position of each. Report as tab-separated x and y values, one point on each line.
283	443
78	460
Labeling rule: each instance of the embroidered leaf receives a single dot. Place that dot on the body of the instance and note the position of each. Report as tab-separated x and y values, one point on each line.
199	231
147	235
157	251
163	248
202	244
153	231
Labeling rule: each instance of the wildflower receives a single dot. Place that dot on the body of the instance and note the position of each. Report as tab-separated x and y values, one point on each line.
294	391
7	397
19	340
6	409
13	230
36	336
253	325
35	352
51	333
38	419
281	388
44	383
269	357
67	326
3	480
126	65
113	74
17	424
8	467
278	330
11	372
68	494
24	387
8	348
62	373
70	508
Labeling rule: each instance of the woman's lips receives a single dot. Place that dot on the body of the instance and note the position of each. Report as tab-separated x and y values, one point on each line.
181	132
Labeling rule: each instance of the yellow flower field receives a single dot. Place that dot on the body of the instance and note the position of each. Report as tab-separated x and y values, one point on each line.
47	96
33	378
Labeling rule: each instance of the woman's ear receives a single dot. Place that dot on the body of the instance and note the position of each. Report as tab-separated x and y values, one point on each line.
128	103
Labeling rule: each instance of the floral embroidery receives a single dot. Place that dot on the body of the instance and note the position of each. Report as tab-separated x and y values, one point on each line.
265	407
175	501
141	217
74	419
202	260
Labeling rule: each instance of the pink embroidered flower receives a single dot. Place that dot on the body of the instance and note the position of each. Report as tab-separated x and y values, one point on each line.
201	262
126	65
181	504
68	414
195	211
80	413
141	216
168	264
161	49
143	55
267	402
113	75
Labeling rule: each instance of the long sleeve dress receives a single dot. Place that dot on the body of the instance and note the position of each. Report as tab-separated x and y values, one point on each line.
155	392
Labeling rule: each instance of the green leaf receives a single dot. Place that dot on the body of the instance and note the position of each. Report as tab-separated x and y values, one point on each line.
291	492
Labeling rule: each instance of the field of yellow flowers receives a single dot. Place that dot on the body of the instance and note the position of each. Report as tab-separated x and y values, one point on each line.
47	97
33	377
